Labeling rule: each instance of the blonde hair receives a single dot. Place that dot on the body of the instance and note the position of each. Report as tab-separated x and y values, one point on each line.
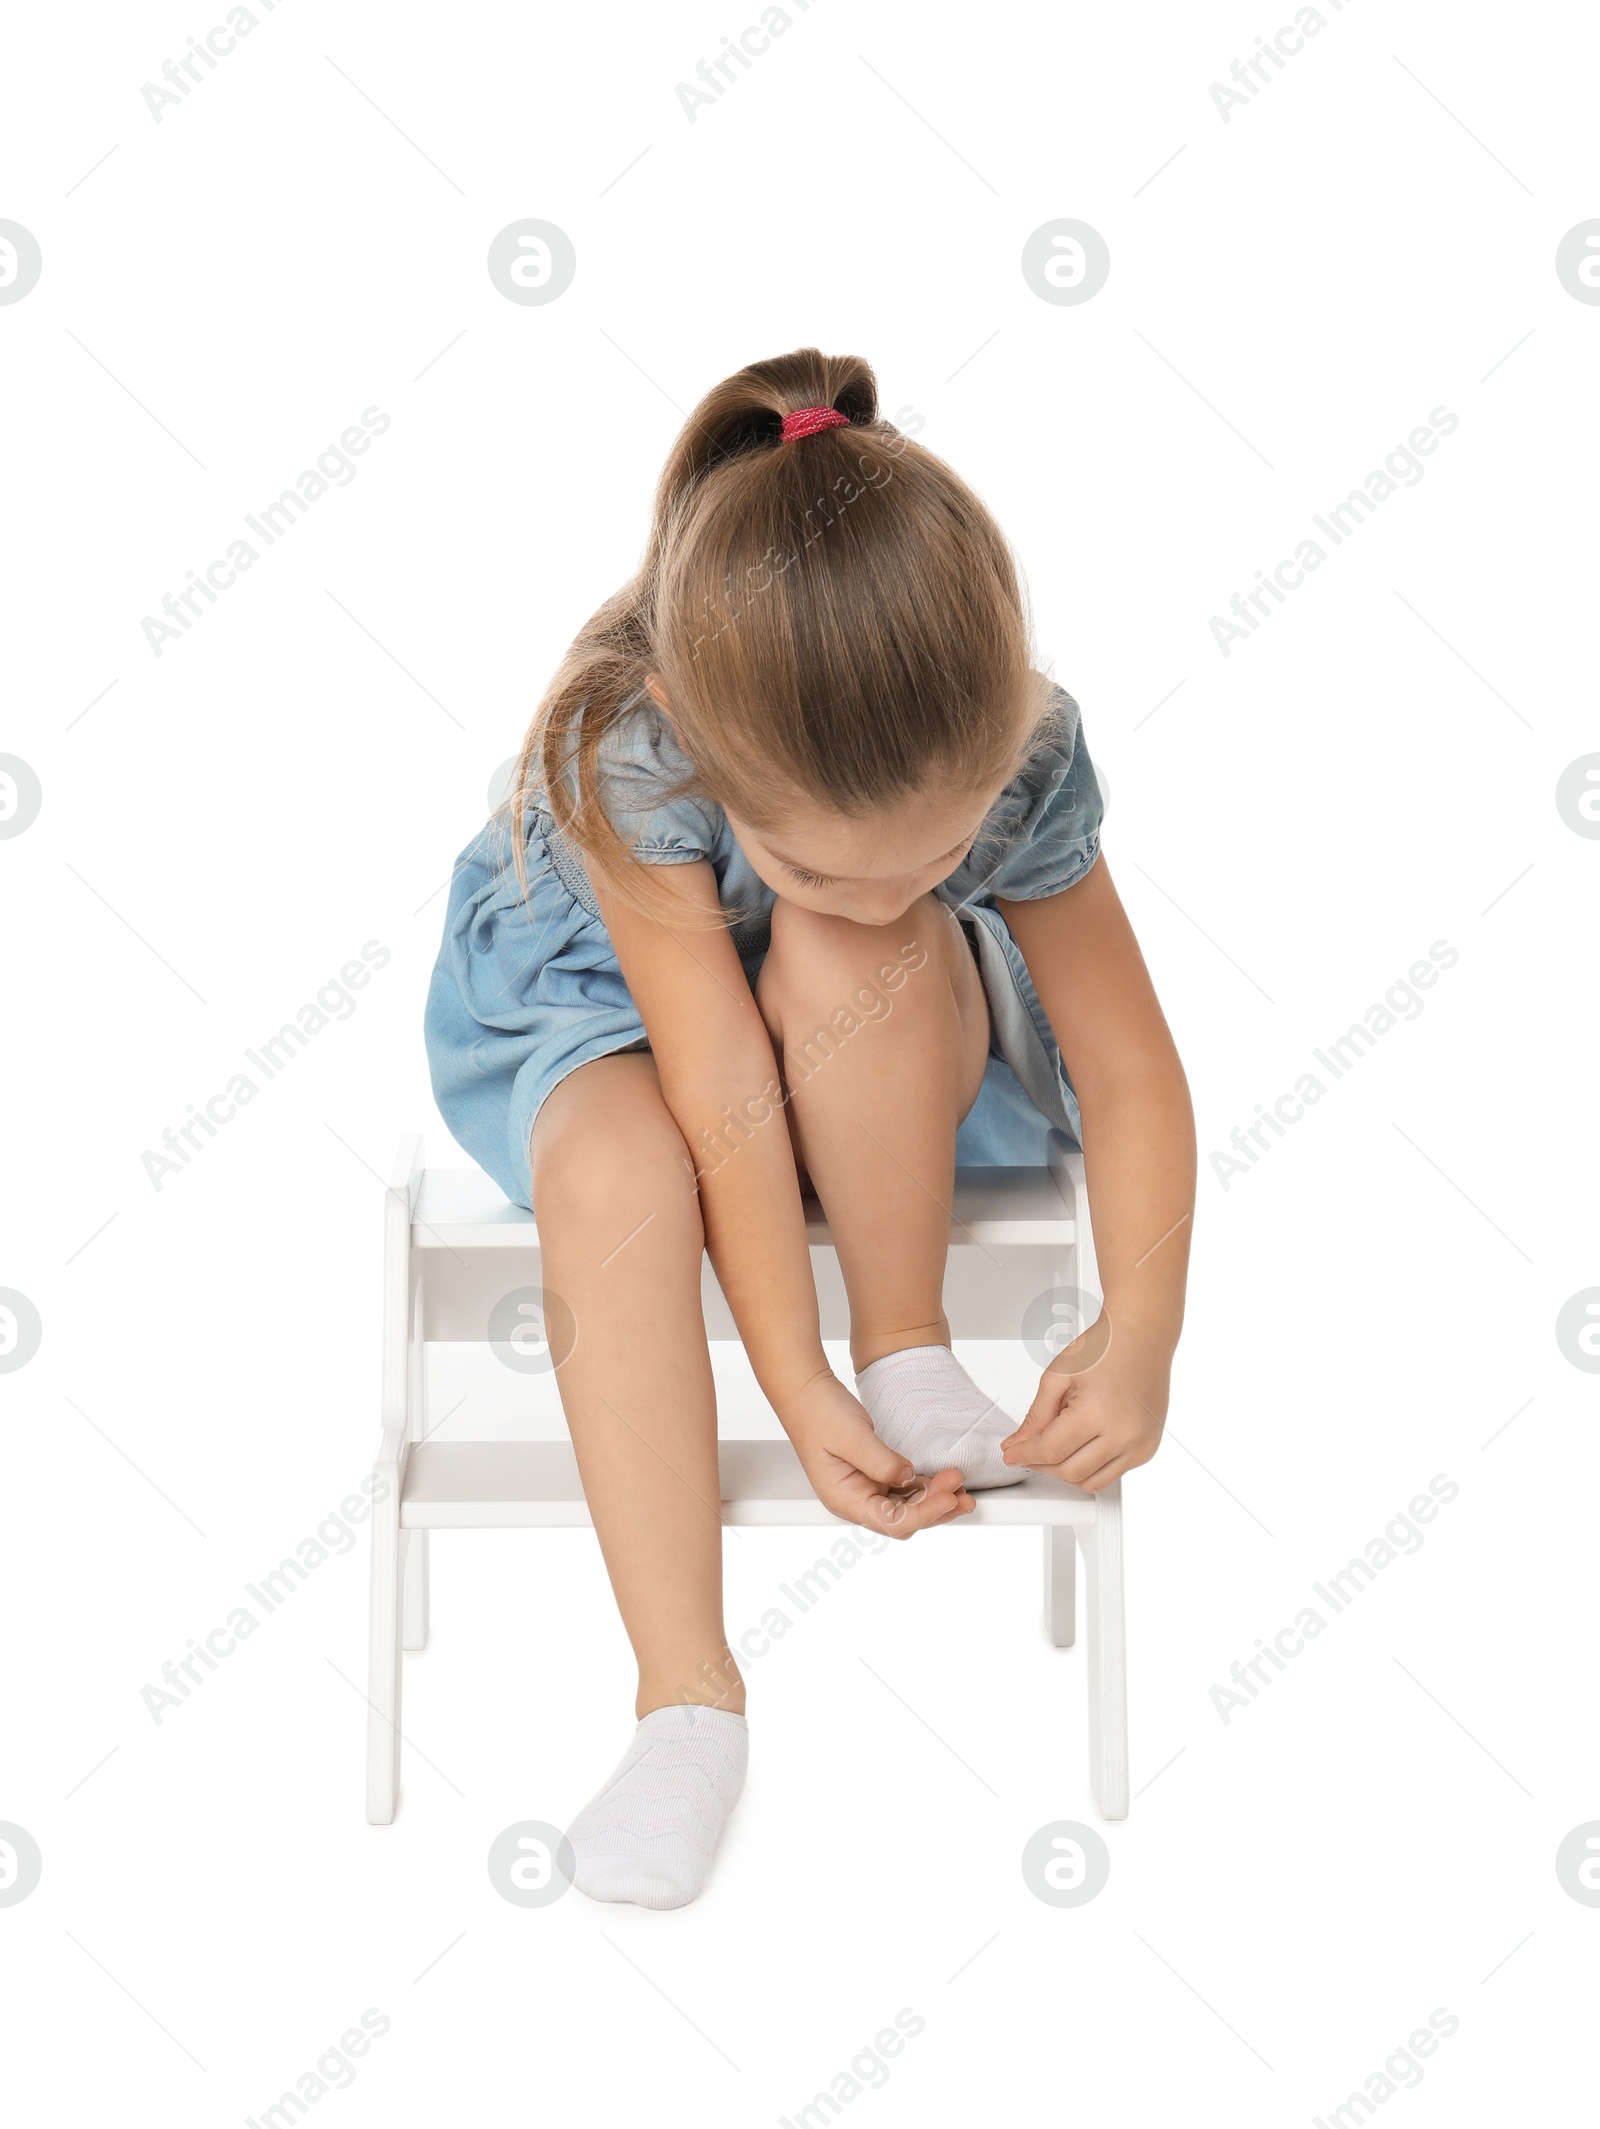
837	618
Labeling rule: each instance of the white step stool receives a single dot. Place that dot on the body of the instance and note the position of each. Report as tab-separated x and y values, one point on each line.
454	1247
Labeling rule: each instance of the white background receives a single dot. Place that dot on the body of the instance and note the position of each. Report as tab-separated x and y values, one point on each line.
304	236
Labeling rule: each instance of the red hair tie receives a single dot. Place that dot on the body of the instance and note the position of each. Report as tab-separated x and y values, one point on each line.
810	421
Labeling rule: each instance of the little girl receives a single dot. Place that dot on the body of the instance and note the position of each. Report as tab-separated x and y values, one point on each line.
804	894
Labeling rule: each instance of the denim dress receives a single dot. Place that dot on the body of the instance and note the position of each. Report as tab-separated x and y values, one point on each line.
526	989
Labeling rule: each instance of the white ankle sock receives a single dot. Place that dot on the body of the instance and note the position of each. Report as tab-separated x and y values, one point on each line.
925	1406
648	1835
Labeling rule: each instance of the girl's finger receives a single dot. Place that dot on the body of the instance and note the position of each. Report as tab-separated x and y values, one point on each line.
878	1513
949	1477
932	1497
1050	1446
937	1501
960	1504
1047	1402
1087	1460
1097	1481
900	1514
883	1465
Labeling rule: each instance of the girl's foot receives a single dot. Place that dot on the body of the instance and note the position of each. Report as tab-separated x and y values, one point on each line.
925	1406
648	1835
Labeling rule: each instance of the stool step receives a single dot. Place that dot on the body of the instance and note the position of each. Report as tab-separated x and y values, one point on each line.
459	1208
529	1485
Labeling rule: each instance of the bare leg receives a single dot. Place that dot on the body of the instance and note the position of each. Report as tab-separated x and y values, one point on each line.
874	1112
619	1224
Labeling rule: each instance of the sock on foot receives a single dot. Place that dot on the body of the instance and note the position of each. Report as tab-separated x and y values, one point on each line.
925	1406
648	1835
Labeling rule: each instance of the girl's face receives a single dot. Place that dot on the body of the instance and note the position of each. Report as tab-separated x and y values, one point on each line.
871	870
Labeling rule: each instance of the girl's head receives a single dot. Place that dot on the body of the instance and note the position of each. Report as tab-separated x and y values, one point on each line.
835	631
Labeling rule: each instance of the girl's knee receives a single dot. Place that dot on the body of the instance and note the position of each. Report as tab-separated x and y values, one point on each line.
602	1171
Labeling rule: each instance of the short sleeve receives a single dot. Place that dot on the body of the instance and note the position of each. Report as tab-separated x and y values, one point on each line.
1043	833
645	785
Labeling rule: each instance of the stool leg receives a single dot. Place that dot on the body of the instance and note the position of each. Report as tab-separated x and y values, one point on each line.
383	1668
1060	1579
1108	1667
414	1603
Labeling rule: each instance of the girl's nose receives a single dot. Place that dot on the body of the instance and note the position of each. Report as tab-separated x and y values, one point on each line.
882	908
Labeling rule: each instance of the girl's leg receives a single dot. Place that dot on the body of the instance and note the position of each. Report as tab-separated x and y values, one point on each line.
620	1231
619	1227
874	1112
883	1032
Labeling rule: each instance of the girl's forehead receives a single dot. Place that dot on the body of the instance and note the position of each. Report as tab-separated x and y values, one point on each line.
904	836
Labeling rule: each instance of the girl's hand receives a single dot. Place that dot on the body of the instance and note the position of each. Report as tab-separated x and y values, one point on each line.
855	1476
1099	1408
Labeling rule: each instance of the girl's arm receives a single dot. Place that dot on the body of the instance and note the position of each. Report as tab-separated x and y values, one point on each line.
1103	1400
720	1080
